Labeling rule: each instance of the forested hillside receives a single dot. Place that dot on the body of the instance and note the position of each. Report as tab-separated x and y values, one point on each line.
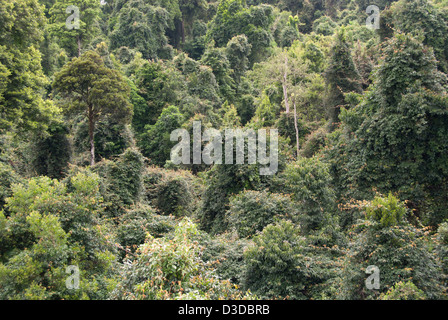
96	204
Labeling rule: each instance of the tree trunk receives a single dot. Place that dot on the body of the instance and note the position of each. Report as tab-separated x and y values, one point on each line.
182	24
297	130
78	38
285	91
91	136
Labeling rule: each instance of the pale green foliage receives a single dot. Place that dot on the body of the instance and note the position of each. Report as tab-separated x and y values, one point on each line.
53	225
404	291
172	269
387	211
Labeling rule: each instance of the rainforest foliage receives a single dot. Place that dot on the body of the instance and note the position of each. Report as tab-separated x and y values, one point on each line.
88	104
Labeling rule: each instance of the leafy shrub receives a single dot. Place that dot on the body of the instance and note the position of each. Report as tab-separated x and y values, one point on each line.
122	180
172	269
138	222
226	253
314	143
309	183
172	192
251	211
275	265
7	177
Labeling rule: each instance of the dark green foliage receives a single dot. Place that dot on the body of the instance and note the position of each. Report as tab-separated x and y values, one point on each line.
142	25
400	250
396	136
52	152
225	180
309	183
420	17
235	18
155	142
251	211
222	182
341	77
172	192
137	222
238	51
227	255
442	252
154	87
216	59
122	180
7	177
196	46
285	123
314	143
111	138
276	266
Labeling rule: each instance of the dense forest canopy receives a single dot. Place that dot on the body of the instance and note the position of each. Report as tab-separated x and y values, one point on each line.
351	103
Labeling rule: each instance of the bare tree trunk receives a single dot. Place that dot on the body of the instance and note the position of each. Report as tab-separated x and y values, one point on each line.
91	137
285	91
297	130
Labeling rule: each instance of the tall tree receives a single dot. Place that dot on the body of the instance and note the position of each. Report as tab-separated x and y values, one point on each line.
89	86
395	138
341	76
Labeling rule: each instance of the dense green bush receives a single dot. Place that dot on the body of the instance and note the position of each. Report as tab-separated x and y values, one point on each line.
172	192
226	253
275	264
309	183
137	223
251	211
121	181
111	139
